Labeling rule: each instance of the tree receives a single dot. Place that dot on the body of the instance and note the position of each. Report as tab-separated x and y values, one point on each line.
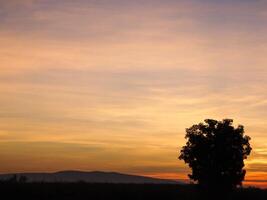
215	151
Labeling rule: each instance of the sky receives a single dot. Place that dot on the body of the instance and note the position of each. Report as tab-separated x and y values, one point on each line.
112	84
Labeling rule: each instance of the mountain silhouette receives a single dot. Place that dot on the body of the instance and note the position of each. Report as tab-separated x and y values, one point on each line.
89	177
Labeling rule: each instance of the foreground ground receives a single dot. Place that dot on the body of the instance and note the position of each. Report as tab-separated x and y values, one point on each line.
77	191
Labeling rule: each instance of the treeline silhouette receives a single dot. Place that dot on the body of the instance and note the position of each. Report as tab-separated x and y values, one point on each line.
80	191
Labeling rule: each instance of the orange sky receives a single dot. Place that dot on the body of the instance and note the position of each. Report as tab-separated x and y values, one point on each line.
112	84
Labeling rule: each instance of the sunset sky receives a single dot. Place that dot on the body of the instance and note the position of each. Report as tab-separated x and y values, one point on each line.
112	84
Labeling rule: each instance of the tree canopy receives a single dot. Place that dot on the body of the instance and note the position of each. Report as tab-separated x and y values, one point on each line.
215	151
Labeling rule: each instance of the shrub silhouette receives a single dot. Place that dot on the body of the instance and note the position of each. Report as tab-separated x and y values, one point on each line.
13	179
22	179
215	151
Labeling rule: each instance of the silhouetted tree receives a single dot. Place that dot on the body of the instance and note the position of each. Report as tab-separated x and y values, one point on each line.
215	151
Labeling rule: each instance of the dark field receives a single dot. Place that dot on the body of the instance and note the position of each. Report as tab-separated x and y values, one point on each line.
76	191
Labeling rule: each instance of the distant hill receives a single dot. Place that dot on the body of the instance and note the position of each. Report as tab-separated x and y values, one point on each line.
89	177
